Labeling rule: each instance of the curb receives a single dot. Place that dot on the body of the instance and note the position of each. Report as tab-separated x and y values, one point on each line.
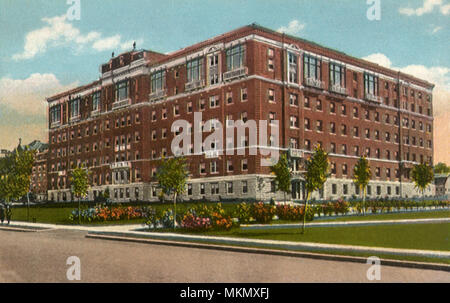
264	251
18	229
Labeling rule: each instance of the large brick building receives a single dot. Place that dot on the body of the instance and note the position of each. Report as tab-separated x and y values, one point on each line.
120	125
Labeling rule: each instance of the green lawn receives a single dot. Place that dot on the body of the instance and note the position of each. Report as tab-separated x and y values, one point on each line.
59	213
429	236
392	216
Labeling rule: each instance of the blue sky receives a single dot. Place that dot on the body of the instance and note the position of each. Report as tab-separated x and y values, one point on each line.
412	35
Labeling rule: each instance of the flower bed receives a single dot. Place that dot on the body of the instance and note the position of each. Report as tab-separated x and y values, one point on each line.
105	213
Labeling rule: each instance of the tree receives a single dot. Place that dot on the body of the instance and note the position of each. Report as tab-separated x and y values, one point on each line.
15	174
80	184
282	175
172	175
317	172
361	177
422	175
441	168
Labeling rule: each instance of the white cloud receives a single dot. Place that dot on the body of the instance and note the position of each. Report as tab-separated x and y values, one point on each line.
427	7
380	59
107	43
128	45
59	32
27	96
445	9
294	28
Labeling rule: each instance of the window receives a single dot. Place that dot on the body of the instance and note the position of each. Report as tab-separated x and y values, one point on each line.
229	187
355	112
213	167
333	189
235	57
55	114
230	167
194	70
337	75
356	131
122	90
333	148
332	107
270	65
293	143
292	68
332	127
319	125
308	144
213	69
271	95
244	95
244	165
214	188
158	80
371	84
214	101
343	110
96	101
244	187
75	108
312	67
344	130
201	104
272	117
294	122
293	99
176	110
319	105
307	103
229	97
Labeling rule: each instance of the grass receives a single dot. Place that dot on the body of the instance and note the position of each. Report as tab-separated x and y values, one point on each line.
59	213
428	236
392	216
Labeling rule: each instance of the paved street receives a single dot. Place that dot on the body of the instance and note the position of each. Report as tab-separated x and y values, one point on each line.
41	257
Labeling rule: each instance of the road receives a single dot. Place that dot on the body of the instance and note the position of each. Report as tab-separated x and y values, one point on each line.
41	257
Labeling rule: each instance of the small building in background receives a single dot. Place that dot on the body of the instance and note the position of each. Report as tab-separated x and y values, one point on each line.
442	184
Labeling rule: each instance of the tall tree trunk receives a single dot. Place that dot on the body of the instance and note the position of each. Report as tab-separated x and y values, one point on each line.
79	211
304	213
364	201
175	210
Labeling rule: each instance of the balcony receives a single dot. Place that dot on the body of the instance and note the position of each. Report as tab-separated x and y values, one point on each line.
119	165
95	113
121	103
196	84
373	98
235	73
157	95
296	153
75	118
338	89
313	82
209	154
55	124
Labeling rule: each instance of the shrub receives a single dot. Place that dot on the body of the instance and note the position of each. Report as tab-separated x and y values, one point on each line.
341	207
243	213
152	219
195	223
167	219
288	212
262	213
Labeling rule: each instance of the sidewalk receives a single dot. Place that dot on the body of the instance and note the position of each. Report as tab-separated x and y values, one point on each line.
137	232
